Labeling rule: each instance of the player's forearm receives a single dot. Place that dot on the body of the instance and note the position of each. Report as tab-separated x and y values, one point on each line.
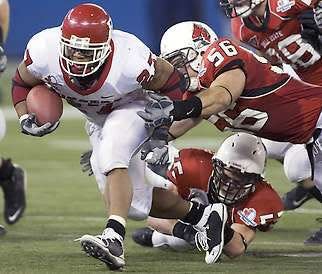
179	128
4	19
21	108
240	240
214	100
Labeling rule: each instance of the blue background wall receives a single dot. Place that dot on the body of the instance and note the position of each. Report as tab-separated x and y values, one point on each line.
140	17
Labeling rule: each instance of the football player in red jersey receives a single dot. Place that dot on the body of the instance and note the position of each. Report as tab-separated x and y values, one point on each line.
243	92
285	33
234	176
273	28
180	44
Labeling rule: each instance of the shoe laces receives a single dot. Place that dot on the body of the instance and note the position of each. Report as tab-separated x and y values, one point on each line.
110	234
201	241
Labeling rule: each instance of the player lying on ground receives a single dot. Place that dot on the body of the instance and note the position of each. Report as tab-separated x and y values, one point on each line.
234	176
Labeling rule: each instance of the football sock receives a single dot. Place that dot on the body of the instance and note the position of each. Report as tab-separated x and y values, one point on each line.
195	213
6	169
160	239
184	231
117	225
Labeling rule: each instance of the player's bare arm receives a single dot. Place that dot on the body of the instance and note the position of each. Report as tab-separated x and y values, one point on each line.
27	80
163	70
243	236
223	91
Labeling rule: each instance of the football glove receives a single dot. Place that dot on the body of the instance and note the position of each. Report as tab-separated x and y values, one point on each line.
310	31
29	126
3	60
157	111
85	162
154	151
318	15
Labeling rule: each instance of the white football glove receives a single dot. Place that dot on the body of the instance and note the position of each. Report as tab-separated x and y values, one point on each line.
157	112
29	126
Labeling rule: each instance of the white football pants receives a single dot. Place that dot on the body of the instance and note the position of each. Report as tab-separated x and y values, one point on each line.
115	145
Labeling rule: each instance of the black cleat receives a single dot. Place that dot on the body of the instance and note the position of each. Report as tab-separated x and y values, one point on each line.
296	197
315	238
211	238
143	236
107	248
14	195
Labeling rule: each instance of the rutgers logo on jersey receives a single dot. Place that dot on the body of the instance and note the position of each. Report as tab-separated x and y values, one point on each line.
201	35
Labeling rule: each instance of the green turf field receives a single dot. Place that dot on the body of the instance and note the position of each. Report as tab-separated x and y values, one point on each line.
64	203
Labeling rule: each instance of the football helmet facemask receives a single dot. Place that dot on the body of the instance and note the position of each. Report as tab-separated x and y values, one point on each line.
185	43
237	167
85	40
235	8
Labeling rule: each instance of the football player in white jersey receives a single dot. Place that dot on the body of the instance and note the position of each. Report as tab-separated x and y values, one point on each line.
12	176
102	72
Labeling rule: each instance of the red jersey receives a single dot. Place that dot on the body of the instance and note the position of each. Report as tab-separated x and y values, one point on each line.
192	169
273	105
279	38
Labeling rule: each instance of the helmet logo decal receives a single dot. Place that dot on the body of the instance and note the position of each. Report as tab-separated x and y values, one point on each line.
200	35
79	42
248	215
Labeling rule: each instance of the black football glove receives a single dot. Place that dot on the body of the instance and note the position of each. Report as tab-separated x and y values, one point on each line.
310	30
85	162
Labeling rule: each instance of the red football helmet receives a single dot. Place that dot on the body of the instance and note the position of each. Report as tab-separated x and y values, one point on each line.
85	39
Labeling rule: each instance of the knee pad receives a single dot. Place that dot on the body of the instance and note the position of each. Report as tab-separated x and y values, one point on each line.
297	166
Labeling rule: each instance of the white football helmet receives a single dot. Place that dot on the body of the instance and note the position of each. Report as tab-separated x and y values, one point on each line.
185	43
238	166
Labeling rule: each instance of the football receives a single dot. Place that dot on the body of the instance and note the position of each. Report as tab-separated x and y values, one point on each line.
45	104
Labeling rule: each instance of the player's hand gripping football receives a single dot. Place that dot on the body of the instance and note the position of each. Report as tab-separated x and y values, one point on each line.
29	126
157	111
3	60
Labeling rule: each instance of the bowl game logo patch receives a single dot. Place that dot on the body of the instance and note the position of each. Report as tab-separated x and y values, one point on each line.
248	215
284	5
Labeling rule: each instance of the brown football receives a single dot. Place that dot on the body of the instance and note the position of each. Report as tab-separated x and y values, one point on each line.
45	104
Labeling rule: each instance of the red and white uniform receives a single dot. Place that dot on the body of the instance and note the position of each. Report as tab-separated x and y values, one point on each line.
280	40
277	107
110	105
192	169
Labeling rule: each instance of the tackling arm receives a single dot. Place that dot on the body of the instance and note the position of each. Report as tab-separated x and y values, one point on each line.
241	238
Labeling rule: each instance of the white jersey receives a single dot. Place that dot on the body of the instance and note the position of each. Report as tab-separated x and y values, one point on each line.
119	83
